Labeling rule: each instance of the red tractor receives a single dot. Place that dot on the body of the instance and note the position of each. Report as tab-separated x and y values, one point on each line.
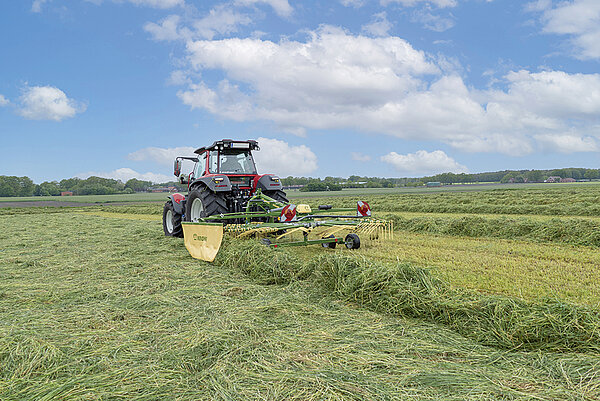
223	180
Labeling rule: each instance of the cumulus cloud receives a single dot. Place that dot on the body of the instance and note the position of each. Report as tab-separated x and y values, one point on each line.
125	174
423	162
567	143
579	19
359	157
280	158
220	20
3	101
384	85
379	26
166	29
162	156
48	103
281	7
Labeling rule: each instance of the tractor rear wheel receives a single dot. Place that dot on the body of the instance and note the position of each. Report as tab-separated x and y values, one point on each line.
278	195
172	221
202	202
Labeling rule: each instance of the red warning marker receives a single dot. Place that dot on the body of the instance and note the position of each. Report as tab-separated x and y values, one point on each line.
288	213
363	209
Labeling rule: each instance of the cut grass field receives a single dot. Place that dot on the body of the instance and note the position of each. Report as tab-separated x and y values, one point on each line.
525	269
95	303
92	308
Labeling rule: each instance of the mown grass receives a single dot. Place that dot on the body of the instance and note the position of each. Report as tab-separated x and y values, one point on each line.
582	200
407	290
102	308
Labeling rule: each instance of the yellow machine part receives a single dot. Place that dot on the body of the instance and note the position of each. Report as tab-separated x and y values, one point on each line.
203	240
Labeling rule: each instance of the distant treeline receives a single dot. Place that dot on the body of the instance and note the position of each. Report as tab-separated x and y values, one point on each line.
24	186
505	176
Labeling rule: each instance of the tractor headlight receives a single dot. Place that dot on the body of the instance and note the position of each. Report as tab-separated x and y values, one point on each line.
275	179
218	180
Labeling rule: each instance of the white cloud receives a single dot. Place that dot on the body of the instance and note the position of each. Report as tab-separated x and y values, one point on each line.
353	3
167	29
579	19
567	143
423	162
125	174
412	3
379	26
332	72
36	7
162	156
359	157
384	85
220	20
3	101
281	7
280	158
433	22
48	103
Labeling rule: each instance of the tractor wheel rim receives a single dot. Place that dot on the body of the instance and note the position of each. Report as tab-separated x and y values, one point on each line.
169	221
197	209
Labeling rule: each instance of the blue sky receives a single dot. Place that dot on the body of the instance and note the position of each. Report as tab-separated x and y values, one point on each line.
392	88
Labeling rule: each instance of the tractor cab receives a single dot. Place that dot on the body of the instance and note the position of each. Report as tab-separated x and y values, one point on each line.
226	157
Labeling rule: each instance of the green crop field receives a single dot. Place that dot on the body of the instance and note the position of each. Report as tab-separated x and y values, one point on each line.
481	295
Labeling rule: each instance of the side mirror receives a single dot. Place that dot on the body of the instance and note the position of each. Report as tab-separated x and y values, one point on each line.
177	167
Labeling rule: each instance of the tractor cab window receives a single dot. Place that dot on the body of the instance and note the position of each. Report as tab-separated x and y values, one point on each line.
236	163
213	162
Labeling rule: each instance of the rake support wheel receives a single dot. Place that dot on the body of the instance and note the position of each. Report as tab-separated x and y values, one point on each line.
352	241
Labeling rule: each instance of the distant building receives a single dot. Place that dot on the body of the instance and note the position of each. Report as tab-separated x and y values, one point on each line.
553	179
433	184
66	193
568	180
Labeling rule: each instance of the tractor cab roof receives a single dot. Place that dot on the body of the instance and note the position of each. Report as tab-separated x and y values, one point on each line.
229	144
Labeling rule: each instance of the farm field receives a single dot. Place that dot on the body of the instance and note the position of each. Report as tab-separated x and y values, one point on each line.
295	194
137	197
95	303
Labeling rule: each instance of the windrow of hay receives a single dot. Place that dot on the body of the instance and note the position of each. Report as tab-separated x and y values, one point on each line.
406	290
559	201
573	231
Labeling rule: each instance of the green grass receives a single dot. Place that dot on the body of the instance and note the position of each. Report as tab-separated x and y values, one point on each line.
368	192
481	295
104	308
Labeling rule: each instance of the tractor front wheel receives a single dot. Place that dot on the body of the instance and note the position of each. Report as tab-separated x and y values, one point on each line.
171	221
202	202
